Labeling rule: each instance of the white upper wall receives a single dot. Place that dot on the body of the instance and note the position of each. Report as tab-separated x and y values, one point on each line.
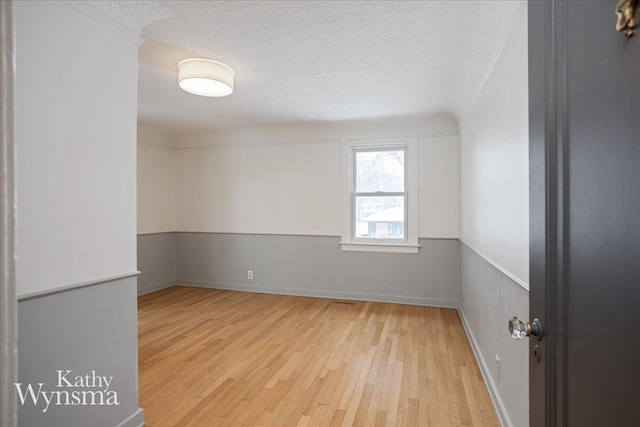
152	135
275	188
156	189
494	162
156	181
287	180
439	185
76	132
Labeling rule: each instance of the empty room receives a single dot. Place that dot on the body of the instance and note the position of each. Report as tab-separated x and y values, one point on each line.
320	213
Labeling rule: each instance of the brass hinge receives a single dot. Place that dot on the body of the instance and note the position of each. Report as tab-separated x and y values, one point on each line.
626	10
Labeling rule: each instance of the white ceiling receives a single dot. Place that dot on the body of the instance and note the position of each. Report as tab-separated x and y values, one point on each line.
318	61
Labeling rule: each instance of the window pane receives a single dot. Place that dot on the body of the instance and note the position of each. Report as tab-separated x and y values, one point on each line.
379	217
380	171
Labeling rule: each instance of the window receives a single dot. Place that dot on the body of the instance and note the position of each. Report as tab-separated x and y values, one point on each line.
380	195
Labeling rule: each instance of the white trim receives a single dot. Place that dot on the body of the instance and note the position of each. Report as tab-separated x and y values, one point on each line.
503	270
86	283
250	233
353	296
105	21
8	216
492	64
498	404
287	142
156	287
411	189
379	247
155	232
267	144
298	141
438	134
134	420
282	234
151	144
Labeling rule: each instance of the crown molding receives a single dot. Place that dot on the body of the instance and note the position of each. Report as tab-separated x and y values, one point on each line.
105	21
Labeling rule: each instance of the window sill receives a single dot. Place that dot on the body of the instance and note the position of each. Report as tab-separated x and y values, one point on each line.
379	247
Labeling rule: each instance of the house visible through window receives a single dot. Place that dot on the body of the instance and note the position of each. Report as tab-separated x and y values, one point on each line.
380	195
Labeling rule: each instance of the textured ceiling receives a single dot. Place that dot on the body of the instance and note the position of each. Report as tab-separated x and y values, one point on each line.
133	15
318	61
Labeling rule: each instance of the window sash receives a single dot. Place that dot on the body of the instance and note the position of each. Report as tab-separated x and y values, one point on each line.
354	162
405	236
404	194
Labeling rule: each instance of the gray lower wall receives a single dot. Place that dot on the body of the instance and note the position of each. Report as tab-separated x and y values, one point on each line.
444	273
488	299
85	329
316	266
156	262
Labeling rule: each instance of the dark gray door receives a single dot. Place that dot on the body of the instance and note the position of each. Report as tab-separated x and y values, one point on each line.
584	83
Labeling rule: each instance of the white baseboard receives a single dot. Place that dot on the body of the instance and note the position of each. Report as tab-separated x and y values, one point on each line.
134	420
498	404
356	296
157	287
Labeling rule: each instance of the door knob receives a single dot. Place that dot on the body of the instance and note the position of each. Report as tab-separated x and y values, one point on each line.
519	329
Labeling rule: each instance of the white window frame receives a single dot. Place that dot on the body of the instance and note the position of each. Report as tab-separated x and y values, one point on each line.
410	243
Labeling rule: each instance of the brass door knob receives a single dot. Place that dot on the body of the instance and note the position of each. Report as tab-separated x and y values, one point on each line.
519	329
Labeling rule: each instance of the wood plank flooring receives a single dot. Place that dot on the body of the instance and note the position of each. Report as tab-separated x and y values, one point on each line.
212	357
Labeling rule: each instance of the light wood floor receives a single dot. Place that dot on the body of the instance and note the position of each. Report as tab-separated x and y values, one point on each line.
211	357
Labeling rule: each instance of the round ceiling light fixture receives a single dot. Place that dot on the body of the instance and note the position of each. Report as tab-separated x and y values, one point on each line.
205	77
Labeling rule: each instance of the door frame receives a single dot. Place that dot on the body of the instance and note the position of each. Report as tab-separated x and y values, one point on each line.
549	208
548	142
8	301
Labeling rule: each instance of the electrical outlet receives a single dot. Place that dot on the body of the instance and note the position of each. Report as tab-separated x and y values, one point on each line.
497	367
250	274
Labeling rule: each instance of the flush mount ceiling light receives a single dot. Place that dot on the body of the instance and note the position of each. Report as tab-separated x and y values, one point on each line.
205	77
